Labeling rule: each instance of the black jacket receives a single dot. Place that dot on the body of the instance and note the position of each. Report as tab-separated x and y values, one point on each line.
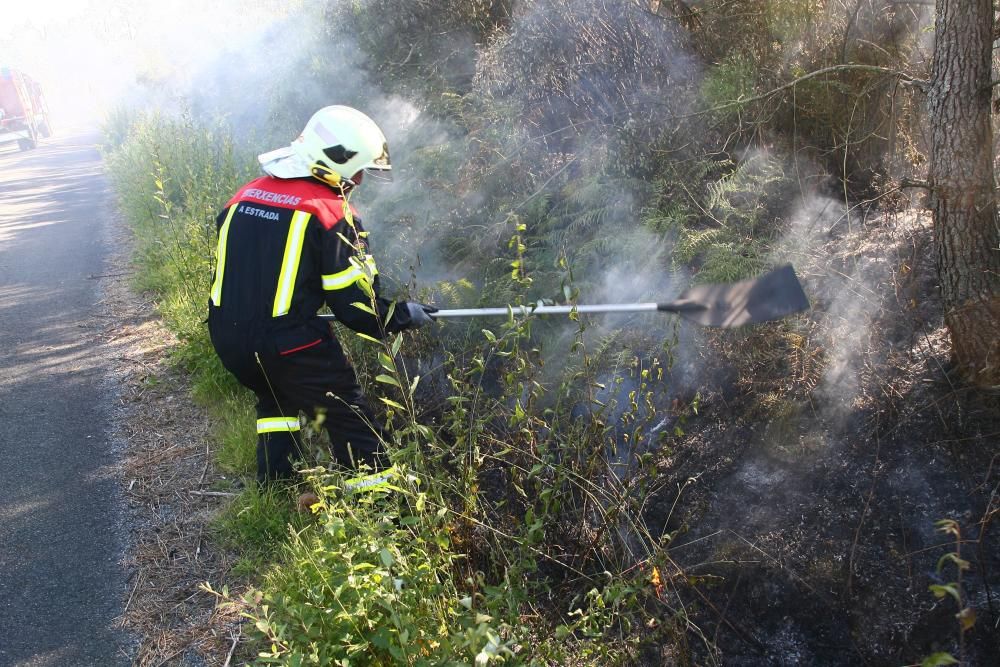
285	248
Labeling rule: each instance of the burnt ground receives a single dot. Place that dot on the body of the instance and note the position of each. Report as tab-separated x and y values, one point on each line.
809	537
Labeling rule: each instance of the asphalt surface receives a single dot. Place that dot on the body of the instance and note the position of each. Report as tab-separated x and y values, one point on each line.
61	515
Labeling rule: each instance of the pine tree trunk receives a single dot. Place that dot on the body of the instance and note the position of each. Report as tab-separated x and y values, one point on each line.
967	237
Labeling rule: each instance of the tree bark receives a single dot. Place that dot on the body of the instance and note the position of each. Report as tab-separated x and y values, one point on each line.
967	236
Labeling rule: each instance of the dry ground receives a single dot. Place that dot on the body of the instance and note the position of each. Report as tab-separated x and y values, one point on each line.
167	474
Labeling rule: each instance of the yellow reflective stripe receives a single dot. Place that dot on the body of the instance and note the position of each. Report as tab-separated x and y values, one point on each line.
347	277
374	482
290	263
220	257
276	424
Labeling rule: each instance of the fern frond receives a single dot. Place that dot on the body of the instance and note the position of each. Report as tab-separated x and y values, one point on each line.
729	262
694	242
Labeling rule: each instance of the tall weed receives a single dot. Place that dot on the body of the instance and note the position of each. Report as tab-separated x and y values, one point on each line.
172	175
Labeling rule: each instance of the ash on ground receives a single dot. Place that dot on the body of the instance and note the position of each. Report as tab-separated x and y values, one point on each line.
811	536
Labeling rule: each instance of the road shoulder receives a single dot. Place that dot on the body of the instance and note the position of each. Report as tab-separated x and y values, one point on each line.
167	474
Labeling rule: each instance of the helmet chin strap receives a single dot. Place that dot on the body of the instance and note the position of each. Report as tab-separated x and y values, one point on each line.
330	177
343	185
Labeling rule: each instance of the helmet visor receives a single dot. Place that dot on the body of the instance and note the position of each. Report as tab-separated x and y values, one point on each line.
381	160
383	175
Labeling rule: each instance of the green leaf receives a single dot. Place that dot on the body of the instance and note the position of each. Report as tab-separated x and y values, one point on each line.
938	659
363	306
519	414
386	361
367	337
490	336
941	590
387	379
949	526
386	557
366	287
954	558
396	344
966	618
413	385
381	639
391	403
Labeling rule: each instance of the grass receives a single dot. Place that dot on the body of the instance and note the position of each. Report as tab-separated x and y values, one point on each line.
170	174
257	525
506	496
235	417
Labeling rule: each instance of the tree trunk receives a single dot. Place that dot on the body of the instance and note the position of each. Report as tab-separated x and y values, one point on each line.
967	237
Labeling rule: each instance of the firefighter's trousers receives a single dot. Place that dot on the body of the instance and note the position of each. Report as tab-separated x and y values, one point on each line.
315	379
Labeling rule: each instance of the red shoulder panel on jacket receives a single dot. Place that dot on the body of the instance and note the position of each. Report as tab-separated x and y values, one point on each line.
297	193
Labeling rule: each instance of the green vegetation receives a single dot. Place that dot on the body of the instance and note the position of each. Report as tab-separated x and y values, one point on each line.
171	174
502	501
257	524
571	152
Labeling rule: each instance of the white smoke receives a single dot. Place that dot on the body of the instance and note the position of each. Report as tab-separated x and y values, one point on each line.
89	57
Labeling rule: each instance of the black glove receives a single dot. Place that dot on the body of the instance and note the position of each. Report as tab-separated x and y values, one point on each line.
420	313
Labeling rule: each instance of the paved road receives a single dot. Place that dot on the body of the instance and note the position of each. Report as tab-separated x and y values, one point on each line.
61	514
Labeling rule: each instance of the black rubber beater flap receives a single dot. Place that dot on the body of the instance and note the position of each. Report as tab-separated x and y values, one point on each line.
772	296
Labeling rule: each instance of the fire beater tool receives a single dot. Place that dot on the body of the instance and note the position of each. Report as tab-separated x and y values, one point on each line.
771	296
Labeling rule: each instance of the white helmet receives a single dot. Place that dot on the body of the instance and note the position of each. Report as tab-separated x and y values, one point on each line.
336	143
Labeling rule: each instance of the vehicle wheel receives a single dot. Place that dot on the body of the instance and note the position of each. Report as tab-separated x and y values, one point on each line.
44	131
25	144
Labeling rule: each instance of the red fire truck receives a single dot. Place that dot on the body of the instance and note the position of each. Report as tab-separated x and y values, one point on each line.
24	117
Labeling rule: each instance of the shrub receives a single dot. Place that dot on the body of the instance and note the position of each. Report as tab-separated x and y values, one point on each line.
367	585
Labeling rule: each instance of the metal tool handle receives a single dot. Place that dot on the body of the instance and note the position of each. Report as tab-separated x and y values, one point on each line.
771	296
547	310
458	313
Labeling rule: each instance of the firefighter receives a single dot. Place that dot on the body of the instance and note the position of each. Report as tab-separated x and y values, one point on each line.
290	242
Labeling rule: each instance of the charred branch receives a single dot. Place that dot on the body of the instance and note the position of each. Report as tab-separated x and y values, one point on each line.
911	183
